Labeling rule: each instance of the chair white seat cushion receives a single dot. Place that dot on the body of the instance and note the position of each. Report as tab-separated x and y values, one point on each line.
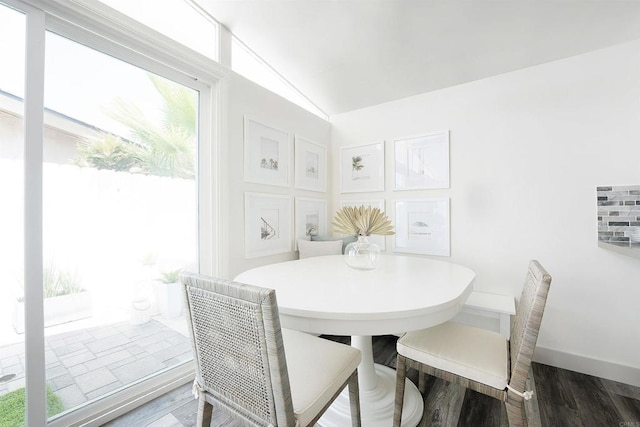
317	369
474	353
311	248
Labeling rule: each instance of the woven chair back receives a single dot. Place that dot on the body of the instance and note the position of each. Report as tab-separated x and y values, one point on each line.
238	349
526	323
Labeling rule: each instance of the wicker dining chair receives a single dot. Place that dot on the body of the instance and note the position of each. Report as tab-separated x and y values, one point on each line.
256	372
478	359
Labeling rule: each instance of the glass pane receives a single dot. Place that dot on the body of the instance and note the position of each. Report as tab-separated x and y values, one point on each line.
120	216
176	19
12	374
246	63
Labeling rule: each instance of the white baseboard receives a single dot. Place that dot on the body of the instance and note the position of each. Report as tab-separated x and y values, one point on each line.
586	365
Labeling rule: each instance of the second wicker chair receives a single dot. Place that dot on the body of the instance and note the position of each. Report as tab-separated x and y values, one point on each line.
478	359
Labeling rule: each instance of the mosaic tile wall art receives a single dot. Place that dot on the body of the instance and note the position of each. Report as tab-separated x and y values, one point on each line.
619	215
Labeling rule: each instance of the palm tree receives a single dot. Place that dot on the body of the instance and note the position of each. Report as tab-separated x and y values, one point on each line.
165	146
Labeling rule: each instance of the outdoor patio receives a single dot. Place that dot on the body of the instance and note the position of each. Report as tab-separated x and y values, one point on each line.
86	363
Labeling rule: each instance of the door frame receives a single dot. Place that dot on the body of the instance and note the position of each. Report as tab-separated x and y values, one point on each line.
101	28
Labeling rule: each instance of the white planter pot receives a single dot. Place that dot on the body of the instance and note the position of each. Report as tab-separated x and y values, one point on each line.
57	310
171	299
140	311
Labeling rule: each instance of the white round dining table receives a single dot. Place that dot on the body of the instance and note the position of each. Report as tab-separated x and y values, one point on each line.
322	295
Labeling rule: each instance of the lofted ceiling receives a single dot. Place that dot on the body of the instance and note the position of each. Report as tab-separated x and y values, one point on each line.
349	54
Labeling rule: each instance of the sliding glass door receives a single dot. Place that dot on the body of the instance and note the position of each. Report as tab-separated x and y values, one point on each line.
119	220
115	221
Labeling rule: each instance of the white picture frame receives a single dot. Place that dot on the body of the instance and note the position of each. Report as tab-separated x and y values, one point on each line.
422	226
267	224
381	241
267	153
422	162
362	168
310	165
310	217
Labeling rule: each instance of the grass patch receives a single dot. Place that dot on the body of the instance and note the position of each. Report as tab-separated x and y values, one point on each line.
12	405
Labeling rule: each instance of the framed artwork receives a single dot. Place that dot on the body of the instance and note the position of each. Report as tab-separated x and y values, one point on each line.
377	203
310	165
422	162
311	217
422	226
267	224
266	154
362	168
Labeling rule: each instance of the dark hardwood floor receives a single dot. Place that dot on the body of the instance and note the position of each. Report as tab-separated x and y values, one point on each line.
562	398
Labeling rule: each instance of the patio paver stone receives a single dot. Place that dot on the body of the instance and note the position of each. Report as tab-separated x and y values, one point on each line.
71	396
95	379
138	369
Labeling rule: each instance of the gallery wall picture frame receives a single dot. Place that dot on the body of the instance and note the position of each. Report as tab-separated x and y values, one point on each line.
310	217
267	152
267	224
310	165
422	226
362	168
422	162
381	241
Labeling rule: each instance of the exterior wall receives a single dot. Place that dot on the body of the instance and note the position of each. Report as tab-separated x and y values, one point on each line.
12	135
119	237
61	134
106	195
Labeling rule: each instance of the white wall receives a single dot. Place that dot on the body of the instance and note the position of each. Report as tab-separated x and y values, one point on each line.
528	149
244	97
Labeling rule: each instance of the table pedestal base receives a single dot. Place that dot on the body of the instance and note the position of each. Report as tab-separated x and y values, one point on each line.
376	405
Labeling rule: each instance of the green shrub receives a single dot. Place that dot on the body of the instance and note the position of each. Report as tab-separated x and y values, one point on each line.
58	282
172	276
12	404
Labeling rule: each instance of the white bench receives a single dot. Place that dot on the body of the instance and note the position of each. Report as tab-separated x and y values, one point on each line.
490	311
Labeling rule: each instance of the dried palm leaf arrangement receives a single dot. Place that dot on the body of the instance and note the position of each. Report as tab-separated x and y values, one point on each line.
362	221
